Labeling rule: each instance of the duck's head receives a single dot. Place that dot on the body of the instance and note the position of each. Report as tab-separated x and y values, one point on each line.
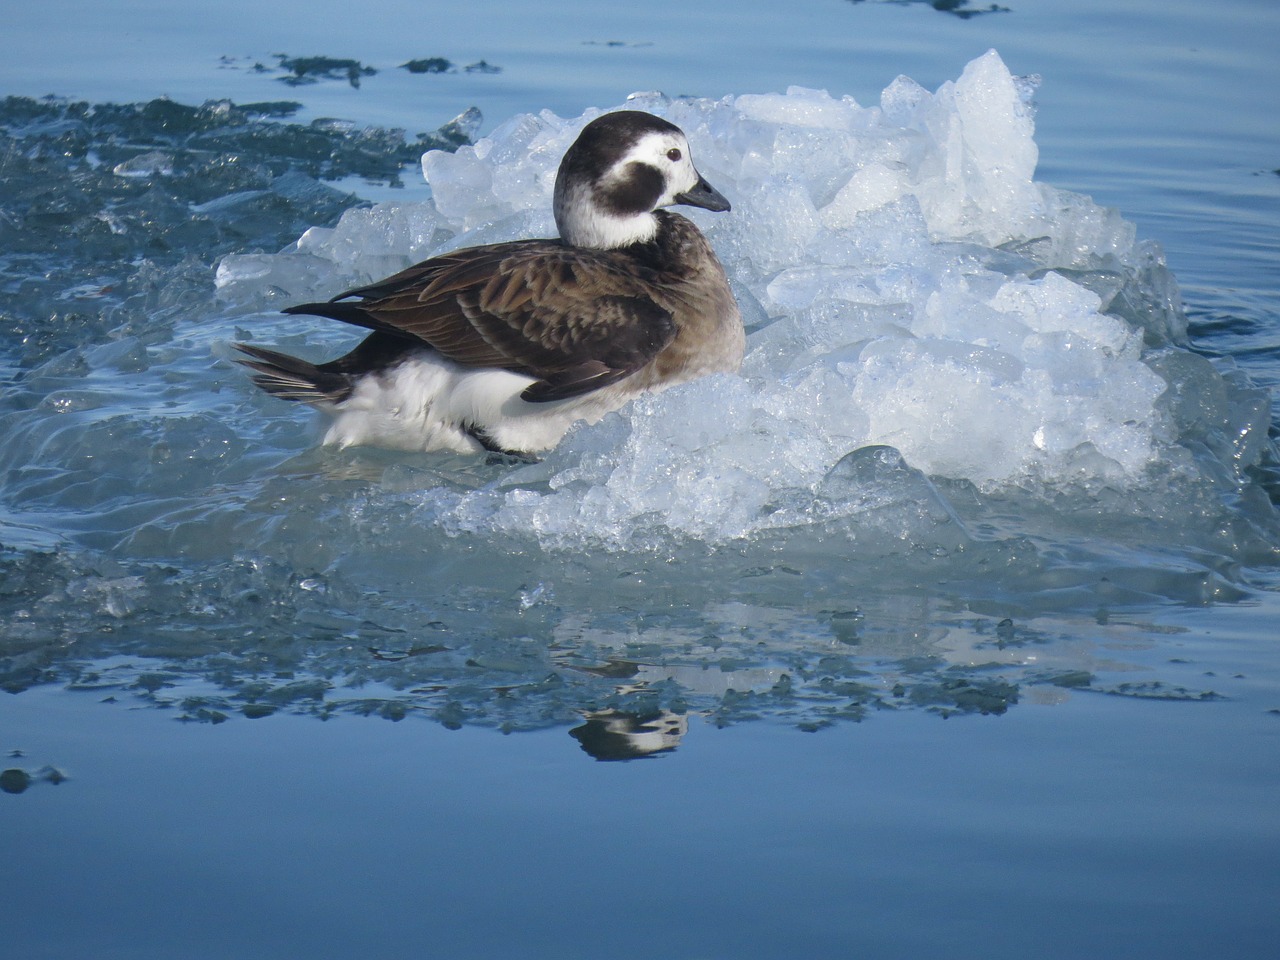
623	167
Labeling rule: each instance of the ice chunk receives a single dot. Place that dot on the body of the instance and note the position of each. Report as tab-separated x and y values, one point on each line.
975	176
872	186
910	286
884	502
457	181
366	244
154	163
800	107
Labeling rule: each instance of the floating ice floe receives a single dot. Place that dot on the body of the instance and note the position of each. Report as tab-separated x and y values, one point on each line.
907	284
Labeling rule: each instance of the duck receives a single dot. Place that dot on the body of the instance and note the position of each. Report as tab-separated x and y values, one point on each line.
505	347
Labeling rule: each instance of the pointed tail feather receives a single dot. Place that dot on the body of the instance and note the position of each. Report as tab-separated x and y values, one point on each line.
289	378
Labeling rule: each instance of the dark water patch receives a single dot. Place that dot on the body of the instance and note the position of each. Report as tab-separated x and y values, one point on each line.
428	65
102	201
304	70
957	8
442	65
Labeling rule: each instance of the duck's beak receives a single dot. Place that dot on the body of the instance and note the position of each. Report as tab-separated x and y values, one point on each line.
703	195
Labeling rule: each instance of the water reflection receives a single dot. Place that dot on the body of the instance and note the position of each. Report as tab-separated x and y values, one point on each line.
617	735
626	682
21	779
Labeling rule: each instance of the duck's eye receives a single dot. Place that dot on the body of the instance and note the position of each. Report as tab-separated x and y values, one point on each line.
673	154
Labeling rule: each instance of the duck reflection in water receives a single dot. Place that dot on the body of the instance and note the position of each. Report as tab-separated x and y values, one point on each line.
618	735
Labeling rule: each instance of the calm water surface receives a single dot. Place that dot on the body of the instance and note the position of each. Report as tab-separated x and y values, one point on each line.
1103	784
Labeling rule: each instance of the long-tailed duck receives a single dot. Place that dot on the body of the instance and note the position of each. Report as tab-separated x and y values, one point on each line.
503	347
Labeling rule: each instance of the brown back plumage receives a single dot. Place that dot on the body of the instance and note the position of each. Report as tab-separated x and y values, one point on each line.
575	319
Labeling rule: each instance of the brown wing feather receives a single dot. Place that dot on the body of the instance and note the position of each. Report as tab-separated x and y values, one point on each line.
575	319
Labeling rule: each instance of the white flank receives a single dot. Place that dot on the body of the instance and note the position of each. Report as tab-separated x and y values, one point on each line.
431	403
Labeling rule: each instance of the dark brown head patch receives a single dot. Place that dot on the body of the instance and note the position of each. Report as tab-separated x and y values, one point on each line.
601	145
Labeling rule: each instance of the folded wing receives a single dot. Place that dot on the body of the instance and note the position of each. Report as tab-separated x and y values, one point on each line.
576	320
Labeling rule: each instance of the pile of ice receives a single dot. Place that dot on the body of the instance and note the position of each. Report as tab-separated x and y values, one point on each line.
906	284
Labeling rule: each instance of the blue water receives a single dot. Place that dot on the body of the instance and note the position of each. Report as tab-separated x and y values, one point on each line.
1089	831
1061	743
